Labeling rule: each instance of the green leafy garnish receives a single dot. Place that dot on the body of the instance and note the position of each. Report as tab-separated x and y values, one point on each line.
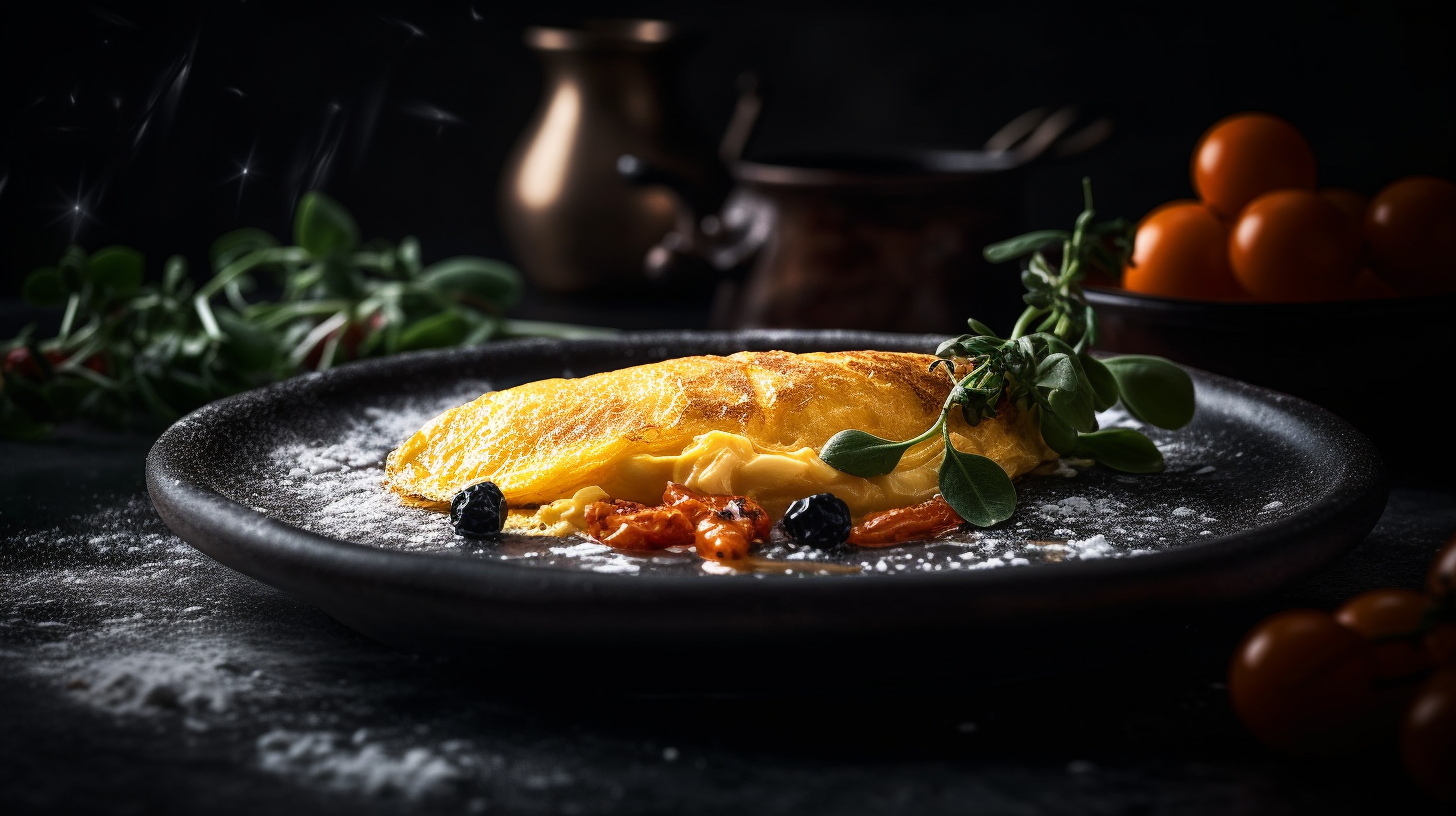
1044	365
167	347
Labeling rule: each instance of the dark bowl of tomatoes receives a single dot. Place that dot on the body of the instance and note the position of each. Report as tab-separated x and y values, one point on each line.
1373	362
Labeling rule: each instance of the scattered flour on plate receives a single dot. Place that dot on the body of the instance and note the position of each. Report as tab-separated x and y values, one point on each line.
332	484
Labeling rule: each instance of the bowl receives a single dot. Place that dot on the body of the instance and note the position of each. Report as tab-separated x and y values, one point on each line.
1375	363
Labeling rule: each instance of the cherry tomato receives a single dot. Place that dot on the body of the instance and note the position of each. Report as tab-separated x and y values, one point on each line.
353	335
1389	613
1441	644
1441	578
98	363
1292	246
1370	286
1181	250
1246	155
1428	736
1351	203
348	348
1411	229
1303	683
20	363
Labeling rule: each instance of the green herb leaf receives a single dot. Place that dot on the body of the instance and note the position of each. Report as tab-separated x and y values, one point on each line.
342	279
407	256
1075	408
1057	372
1121	449
323	227
174	272
1037	300
480	282
1068	391
44	287
116	270
1024	244
1104	385
1042	366
234	245
863	454
72	266
245	346
438	331
1153	389
980	328
976	487
1055	431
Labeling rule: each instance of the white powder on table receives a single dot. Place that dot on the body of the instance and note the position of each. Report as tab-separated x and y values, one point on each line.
327	760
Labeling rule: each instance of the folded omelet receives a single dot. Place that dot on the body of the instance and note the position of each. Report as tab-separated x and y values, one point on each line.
747	424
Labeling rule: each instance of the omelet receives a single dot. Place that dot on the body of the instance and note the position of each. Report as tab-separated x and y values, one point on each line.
748	424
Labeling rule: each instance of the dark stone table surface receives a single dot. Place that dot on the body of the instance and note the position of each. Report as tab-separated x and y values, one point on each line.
139	676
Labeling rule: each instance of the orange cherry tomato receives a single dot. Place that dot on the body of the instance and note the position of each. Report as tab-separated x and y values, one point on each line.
1246	155
1428	736
1390	614
1351	203
1441	644
1293	245
1370	286
1441	577
1303	683
1181	250
1411	229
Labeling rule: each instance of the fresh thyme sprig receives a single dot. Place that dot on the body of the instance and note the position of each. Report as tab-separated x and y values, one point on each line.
1044	366
170	346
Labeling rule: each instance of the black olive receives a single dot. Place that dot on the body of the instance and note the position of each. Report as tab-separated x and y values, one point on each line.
821	520
478	511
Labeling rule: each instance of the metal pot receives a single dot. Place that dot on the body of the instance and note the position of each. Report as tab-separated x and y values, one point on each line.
886	240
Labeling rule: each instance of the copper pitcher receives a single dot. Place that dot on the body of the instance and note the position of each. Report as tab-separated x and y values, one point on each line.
574	224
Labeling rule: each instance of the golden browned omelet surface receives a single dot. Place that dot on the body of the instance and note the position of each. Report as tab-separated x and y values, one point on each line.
748	423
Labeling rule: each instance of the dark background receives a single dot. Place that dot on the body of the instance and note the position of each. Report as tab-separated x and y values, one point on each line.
132	122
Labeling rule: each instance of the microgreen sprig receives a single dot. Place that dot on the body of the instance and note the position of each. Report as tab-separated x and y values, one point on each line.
1045	366
170	346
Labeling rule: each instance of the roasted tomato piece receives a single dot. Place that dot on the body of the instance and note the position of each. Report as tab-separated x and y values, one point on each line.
722	540
726	526
631	526
918	521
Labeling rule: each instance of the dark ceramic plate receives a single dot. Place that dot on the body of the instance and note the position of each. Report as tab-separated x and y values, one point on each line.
283	484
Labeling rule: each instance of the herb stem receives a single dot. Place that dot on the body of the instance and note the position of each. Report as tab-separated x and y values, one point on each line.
209	322
73	304
1024	323
931	431
246	263
290	311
